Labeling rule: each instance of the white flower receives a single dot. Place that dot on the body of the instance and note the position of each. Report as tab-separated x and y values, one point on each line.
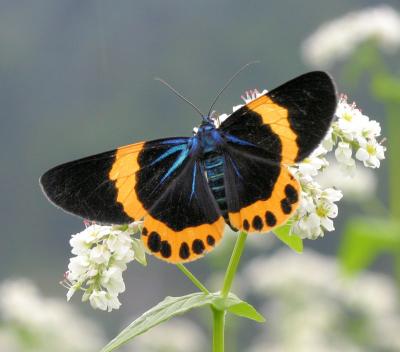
328	141
370	153
77	267
104	301
312	165
112	302
98	300
112	280
339	38
349	121
317	208
249	96
370	129
356	132
253	94
326	210
316	211
309	226
343	153
332	195
102	253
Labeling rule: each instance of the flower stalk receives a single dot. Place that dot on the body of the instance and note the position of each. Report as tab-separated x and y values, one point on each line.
218	330
233	264
218	314
192	278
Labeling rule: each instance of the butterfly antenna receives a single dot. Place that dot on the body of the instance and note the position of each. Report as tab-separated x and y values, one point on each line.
229	82
180	95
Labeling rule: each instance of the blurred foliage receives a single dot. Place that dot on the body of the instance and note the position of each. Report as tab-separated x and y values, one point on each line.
365	238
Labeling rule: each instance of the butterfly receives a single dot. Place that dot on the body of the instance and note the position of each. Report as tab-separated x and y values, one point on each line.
187	188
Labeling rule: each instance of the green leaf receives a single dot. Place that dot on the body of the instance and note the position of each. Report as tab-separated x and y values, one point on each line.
293	241
165	310
364	239
173	306
139	250
246	310
236	306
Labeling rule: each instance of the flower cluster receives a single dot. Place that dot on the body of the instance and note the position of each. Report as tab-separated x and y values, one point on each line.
351	134
355	131
31	322
339	38
101	255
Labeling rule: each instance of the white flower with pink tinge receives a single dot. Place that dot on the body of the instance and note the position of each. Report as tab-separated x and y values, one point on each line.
102	254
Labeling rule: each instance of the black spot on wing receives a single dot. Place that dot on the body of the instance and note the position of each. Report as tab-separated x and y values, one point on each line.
270	218
210	240
286	206
291	194
154	242
165	249
184	251
257	223
198	246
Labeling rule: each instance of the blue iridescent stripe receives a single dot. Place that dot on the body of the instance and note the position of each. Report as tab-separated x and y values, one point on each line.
178	162
193	181
175	141
169	152
236	140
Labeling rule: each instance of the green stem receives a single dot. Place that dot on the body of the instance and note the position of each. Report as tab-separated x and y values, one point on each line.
193	278
219	314
233	264
218	329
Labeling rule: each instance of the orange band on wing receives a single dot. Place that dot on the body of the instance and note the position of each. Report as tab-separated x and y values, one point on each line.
276	117
123	172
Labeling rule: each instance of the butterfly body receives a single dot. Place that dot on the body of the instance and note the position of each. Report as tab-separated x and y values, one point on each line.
212	143
187	188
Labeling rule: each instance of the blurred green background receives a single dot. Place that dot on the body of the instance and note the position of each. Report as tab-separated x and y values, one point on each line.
76	78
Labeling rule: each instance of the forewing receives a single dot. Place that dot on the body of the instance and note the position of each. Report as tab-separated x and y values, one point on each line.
102	187
297	116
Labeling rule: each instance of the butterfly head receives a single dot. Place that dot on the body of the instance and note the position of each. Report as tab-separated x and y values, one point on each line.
208	136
